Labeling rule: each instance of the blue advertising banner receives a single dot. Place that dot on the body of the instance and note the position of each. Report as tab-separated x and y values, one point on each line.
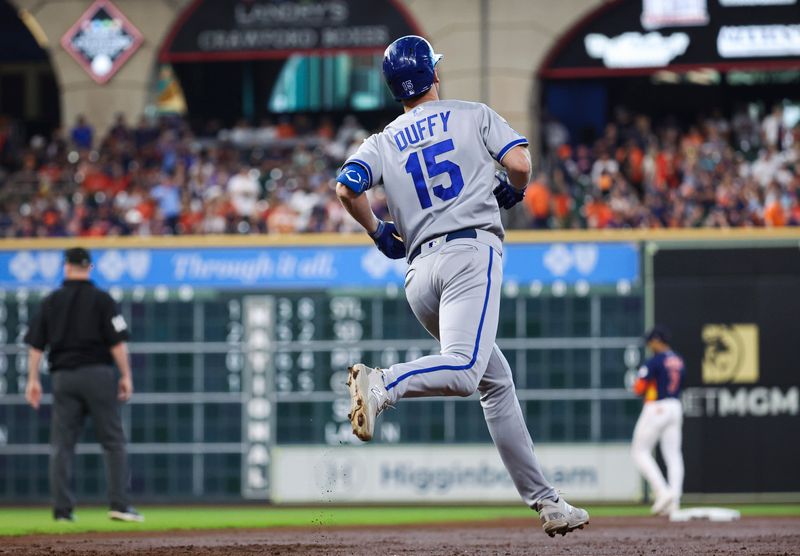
310	267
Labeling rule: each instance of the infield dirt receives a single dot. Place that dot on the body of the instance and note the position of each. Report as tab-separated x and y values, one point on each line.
612	536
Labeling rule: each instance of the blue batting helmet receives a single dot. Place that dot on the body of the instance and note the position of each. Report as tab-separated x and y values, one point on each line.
408	66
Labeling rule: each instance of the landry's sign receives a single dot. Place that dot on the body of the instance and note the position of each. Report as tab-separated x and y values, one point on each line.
102	40
250	29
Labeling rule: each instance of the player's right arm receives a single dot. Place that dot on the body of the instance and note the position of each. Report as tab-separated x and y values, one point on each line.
358	174
356	204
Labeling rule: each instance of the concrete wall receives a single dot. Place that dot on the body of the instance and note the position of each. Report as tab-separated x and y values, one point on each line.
519	34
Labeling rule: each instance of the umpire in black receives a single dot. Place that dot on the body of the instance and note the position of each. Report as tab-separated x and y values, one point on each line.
86	335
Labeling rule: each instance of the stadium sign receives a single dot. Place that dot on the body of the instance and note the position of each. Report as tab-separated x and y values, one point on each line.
102	40
742	402
759	41
731	356
739	3
732	313
640	37
668	13
444	474
634	50
264	29
558	265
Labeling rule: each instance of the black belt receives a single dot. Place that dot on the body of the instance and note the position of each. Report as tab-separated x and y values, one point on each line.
466	233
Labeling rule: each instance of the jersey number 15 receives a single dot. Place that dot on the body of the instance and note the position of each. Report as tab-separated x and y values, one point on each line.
435	168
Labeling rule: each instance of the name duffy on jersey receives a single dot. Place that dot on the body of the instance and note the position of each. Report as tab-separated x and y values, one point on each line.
417	131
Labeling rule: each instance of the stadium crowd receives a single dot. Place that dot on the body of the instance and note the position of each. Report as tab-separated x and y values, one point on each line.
718	172
160	177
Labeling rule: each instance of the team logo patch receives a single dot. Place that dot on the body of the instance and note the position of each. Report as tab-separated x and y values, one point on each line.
119	323
353	177
731	353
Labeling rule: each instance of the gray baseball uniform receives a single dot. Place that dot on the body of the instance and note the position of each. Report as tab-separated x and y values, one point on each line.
436	162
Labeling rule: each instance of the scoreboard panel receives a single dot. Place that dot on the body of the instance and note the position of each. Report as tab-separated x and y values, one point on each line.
222	375
237	349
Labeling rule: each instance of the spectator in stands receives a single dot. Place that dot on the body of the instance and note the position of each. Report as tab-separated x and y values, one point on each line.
537	199
82	133
120	131
772	128
168	196
243	192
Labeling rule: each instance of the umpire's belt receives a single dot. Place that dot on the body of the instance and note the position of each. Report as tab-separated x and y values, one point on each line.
466	233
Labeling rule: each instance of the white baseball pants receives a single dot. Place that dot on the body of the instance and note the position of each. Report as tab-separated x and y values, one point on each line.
660	421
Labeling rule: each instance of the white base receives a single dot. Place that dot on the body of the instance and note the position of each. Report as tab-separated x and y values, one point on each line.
711	514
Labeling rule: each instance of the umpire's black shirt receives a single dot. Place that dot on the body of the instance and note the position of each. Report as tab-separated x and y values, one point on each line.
79	323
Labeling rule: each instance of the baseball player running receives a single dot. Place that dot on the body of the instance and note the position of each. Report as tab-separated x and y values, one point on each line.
660	381
437	165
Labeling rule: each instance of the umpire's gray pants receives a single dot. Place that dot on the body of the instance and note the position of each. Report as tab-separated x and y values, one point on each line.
89	390
454	290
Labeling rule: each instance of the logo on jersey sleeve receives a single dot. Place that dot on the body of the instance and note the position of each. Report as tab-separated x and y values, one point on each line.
731	353
354	178
119	323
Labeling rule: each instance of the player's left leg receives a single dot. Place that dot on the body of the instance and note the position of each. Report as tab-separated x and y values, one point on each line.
645	436
671	452
507	427
513	441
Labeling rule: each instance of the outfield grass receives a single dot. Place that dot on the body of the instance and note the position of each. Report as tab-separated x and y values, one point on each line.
25	521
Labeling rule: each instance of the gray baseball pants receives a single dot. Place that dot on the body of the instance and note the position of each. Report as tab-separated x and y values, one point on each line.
89	390
454	290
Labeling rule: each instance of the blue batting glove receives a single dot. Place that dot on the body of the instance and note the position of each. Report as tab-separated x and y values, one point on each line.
506	194
388	241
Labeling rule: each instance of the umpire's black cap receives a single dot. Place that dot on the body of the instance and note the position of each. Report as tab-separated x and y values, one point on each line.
77	256
658	332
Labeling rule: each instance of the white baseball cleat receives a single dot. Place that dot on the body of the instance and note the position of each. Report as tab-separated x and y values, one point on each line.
368	397
663	504
560	517
128	514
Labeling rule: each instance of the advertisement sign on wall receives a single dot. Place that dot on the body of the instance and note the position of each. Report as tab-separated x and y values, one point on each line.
673	13
445	473
733	316
312	267
643	36
246	29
